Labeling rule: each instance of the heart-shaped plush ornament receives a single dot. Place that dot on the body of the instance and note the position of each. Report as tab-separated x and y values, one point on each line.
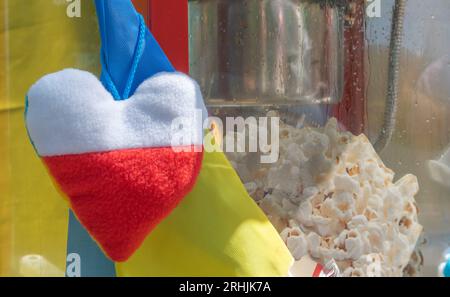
115	160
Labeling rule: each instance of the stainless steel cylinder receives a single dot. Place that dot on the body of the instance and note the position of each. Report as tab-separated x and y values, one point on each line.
258	52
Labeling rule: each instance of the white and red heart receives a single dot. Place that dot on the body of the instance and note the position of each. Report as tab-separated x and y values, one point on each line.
115	160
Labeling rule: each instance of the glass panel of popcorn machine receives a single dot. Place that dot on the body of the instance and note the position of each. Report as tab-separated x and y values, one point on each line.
317	105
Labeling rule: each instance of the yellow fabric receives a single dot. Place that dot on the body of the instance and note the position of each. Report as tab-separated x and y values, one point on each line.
217	230
36	38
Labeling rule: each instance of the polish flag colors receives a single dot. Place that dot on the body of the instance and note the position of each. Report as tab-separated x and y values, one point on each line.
115	160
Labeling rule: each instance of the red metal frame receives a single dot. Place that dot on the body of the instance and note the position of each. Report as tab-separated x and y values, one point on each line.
168	21
352	110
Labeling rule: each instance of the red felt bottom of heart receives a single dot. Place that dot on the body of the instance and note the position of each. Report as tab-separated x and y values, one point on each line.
120	196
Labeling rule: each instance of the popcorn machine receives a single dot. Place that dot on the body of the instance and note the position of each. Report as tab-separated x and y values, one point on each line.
317	66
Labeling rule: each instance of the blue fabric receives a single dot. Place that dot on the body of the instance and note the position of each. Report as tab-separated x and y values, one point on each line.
119	25
93	262
129	55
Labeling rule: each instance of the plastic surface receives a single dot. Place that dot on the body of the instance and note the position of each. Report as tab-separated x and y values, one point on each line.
444	267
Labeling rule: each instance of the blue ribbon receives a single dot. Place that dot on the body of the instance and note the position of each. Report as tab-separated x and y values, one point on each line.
129	55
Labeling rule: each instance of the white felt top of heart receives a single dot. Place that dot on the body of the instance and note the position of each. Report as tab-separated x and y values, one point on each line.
70	112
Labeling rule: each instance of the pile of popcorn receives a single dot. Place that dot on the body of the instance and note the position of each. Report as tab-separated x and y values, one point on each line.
330	196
